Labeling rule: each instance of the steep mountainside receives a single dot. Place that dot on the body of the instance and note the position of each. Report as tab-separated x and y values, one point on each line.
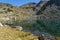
49	16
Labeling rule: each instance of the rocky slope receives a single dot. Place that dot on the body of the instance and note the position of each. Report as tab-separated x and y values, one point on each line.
49	16
12	16
39	19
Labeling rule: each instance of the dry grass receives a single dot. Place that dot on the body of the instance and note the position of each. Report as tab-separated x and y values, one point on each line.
7	33
57	38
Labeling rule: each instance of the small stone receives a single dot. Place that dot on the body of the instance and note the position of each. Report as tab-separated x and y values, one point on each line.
1	24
